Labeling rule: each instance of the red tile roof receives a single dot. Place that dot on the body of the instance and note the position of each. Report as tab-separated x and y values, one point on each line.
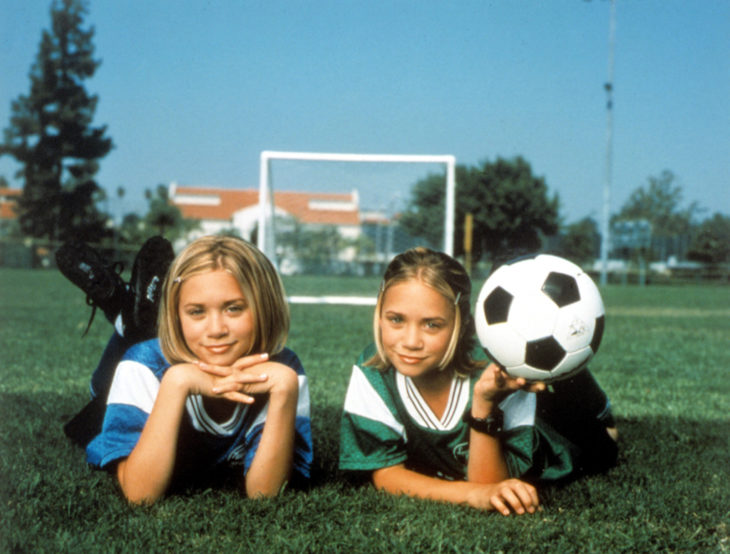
230	201
301	205
8	202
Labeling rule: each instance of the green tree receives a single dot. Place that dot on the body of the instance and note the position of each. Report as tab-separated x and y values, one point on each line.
163	217
660	203
511	207
425	212
312	249
52	137
132	229
580	241
711	241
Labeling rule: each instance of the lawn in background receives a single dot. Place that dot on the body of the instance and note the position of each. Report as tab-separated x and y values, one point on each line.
663	361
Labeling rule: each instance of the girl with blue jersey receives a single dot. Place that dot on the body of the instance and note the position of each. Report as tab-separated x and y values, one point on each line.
217	390
426	416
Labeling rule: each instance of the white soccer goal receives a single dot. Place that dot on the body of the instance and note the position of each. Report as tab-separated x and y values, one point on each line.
267	238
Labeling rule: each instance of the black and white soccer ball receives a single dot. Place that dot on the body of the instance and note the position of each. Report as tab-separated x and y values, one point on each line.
540	317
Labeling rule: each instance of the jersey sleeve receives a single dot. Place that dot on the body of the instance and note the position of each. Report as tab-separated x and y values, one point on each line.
131	397
371	436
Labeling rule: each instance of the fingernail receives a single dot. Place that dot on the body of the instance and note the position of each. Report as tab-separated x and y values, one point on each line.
264	355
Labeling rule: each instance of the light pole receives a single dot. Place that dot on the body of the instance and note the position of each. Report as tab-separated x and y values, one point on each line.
606	223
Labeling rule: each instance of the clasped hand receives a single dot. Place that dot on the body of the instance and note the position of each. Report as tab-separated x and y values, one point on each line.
241	381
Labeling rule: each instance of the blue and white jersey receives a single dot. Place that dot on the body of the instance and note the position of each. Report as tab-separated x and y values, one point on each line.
203	442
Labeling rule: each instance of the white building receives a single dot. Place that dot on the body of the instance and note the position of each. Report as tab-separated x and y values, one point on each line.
220	209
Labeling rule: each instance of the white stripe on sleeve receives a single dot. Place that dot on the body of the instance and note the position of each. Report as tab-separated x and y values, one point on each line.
519	409
303	400
364	401
134	384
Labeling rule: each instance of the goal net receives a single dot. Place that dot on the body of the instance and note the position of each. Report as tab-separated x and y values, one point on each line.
340	214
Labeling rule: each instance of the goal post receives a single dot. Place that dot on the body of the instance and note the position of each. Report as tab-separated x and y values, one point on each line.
265	236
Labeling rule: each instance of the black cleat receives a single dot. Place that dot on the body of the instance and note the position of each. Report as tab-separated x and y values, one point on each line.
148	273
85	268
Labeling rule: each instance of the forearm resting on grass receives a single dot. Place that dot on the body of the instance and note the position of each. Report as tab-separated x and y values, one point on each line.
145	474
506	497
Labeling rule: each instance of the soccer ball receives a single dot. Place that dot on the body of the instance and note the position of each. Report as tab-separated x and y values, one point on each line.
540	317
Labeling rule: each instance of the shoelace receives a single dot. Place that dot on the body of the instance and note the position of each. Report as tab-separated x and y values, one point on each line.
116	267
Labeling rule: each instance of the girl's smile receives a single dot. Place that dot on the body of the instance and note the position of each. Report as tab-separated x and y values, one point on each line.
219	348
409	359
217	322
416	325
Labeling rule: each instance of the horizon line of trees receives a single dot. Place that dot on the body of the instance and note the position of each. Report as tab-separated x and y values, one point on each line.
513	214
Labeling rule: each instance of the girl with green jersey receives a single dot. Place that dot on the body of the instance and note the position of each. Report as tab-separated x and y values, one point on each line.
426	415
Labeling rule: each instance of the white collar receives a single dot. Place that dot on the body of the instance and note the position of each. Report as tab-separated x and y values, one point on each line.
420	411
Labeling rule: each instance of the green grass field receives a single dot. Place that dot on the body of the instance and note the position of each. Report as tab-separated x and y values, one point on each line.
663	361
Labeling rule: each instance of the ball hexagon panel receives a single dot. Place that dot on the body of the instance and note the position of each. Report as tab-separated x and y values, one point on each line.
545	353
527	275
533	314
505	345
561	288
496	306
574	328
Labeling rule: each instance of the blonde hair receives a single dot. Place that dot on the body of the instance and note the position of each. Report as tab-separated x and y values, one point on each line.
259	282
447	277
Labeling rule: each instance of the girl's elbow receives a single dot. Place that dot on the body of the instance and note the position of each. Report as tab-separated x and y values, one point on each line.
141	500
264	490
380	478
139	497
133	493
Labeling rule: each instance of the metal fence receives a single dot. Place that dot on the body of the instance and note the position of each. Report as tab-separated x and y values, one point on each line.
40	254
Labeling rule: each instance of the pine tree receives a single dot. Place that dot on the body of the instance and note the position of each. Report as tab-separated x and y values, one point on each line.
52	137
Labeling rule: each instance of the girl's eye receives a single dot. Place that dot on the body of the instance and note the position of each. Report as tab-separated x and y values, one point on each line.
236	308
195	312
395	319
434	325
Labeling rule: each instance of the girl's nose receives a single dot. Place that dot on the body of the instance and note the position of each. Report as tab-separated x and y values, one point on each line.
412	337
217	325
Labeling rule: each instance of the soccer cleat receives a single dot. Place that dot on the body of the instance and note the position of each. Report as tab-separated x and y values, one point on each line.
148	273
85	268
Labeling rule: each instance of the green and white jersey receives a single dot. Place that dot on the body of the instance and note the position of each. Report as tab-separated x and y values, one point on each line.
386	422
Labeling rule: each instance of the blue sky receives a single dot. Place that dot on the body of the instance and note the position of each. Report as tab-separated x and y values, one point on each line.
192	91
